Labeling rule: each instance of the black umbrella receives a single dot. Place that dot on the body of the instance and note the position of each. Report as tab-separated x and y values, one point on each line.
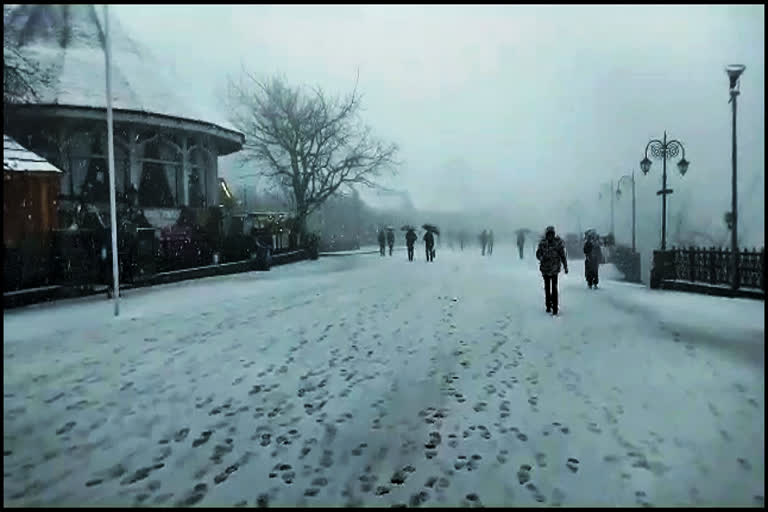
407	227
431	227
389	228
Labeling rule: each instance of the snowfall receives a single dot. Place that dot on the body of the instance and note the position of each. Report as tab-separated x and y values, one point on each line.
371	381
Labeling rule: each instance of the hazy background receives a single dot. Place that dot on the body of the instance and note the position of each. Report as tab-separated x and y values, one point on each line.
515	110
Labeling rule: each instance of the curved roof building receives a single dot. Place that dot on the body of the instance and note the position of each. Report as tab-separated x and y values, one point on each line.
165	150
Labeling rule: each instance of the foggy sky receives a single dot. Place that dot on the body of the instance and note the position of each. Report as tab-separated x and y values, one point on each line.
519	109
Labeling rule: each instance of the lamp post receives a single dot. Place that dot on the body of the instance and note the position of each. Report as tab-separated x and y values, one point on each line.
242	179
610	194
631	178
574	208
111	162
734	72
664	150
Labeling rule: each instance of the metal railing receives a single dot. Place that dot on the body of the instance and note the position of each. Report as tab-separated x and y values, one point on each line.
711	266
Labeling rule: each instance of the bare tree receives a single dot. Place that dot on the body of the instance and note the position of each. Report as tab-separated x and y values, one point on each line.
307	142
22	76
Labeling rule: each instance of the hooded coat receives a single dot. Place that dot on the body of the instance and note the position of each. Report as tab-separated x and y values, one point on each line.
593	256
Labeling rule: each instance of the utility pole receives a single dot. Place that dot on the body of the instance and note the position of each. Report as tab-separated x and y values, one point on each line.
634	221
111	162
612	189
734	72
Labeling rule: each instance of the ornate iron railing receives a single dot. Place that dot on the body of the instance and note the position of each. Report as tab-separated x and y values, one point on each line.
712	266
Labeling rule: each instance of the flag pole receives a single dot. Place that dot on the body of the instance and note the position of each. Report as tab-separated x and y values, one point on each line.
111	162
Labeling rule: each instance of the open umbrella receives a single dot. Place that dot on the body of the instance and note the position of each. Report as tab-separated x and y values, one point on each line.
431	227
407	227
389	228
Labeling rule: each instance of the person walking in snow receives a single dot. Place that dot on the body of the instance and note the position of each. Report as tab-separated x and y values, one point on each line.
490	242
520	242
593	257
429	244
551	253
410	240
382	242
484	240
390	240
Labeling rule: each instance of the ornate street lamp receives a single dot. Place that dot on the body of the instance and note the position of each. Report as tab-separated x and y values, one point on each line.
618	196
664	150
734	72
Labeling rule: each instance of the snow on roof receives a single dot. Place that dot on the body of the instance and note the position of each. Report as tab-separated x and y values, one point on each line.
19	159
68	43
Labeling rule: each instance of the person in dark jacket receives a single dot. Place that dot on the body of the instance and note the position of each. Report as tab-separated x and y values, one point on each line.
429	241
551	253
484	240
520	243
593	256
382	242
410	240
390	240
462	239
490	242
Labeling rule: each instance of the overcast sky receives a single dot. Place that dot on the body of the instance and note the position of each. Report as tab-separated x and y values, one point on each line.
521	108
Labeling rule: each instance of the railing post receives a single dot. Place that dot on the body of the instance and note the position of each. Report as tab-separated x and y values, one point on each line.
677	256
691	263
711	265
762	269
755	267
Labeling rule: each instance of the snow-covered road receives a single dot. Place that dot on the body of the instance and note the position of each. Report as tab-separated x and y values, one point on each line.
370	381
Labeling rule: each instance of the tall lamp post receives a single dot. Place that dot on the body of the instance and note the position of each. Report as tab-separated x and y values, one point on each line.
734	72
610	194
631	178
574	208
242	178
664	150
111	162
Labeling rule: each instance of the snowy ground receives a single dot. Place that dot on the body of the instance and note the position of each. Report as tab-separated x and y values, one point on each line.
370	381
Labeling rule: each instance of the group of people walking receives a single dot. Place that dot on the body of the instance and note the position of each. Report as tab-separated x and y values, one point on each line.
486	241
551	254
387	238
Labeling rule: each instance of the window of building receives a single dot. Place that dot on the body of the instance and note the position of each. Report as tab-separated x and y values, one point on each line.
96	183
154	187
197	178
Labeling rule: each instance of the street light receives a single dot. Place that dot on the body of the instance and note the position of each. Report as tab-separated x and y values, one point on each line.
664	150
734	72
575	208
618	196
242	178
610	193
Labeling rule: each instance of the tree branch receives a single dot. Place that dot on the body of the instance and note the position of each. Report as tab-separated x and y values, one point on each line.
308	142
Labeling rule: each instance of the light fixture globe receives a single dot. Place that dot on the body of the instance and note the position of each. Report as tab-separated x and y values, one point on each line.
734	72
618	192
682	166
645	165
